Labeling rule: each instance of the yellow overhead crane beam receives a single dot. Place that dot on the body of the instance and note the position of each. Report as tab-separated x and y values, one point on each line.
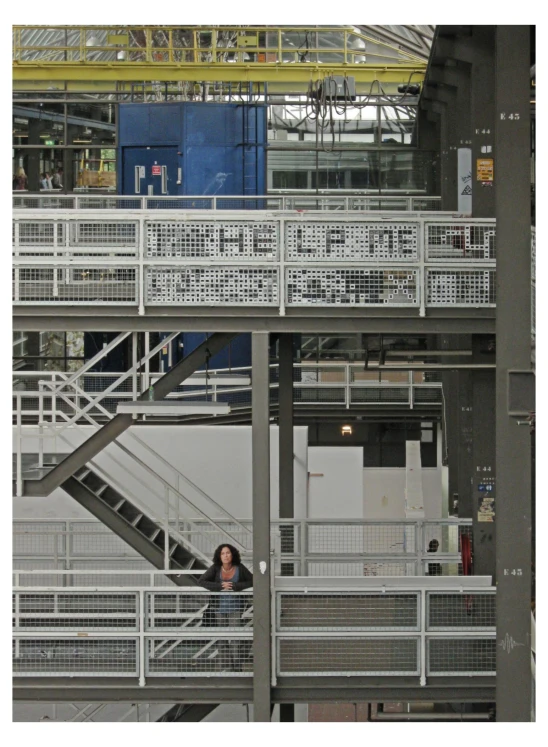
226	54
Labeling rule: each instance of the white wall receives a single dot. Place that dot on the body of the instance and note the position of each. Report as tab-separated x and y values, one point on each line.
384	493
335	482
217	459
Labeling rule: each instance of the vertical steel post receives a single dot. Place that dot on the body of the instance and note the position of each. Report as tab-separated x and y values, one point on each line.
142	641
260	429
286	454
512	176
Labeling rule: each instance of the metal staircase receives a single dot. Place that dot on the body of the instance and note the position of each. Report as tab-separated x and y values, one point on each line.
131	524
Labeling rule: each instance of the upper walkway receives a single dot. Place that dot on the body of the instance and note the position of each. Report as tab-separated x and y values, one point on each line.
252	269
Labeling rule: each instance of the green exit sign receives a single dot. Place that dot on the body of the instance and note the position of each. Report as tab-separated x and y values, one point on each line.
49	142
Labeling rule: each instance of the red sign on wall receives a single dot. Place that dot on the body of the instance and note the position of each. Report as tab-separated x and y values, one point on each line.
156	170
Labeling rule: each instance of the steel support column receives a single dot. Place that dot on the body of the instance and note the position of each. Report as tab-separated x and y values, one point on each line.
483	485
513	325
483	118
286	451
260	429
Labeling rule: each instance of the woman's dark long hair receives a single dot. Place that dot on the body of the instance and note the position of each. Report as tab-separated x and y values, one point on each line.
236	560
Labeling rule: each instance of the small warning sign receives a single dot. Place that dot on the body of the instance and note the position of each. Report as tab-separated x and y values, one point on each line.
156	171
484	169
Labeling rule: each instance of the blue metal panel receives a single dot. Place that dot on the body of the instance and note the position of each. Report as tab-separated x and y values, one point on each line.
220	147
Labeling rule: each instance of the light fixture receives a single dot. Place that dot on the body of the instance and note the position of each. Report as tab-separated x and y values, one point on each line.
346	430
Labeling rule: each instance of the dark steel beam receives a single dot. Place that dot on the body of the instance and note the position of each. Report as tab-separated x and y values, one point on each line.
260	429
513	442
370	321
196	690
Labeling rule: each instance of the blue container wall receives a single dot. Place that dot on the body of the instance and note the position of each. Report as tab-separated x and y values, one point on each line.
235	355
208	149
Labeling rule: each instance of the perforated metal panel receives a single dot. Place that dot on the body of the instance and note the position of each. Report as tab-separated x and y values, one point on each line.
356	287
204	286
460	287
460	242
341	656
212	240
362	241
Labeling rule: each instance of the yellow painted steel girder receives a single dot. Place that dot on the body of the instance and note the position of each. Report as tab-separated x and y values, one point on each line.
249	72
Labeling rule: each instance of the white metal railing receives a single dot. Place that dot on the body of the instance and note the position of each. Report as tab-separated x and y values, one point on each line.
259	258
308	547
343	202
327	383
424	629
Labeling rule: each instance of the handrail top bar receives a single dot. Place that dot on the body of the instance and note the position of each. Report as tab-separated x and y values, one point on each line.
250	215
348	583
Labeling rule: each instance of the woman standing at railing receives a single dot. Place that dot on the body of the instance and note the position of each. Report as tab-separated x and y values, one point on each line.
227	574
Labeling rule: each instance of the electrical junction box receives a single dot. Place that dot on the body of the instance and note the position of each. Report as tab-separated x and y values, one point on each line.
338	88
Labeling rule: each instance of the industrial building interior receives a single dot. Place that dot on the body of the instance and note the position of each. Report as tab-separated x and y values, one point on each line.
274	289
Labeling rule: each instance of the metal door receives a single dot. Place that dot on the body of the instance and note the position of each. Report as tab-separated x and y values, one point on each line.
150	171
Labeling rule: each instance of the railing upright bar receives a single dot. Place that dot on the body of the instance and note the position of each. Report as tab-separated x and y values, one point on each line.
166	529
142	640
19	458
423	623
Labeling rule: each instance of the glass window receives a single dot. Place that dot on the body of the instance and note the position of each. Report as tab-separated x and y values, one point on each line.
92	124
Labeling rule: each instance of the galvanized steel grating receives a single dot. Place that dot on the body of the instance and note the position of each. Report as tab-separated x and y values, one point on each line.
341	656
352	286
212	240
460	611
199	286
74	656
461	243
447	656
351	241
345	611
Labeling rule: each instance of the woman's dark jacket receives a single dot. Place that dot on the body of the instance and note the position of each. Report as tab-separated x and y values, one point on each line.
211	579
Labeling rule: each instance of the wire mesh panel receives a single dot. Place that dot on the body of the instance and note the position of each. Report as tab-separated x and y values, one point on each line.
41	539
206	537
460	287
425	203
427	394
447	656
43	657
104	233
379	395
88	285
41	579
39	235
212	240
354	568
218	655
356	287
59	202
344	656
349	539
101	202
461	242
94	539
75	611
346	611
178	610
179	203
203	286
468	611
344	241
